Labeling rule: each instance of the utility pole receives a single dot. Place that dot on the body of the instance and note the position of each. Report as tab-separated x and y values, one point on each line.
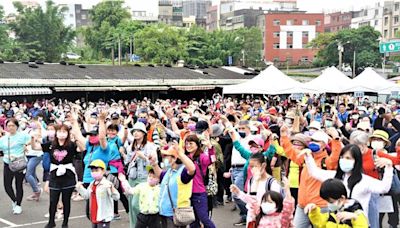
130	48
340	49
112	55
119	51
354	63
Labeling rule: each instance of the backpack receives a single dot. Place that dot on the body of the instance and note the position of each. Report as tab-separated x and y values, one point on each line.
268	185
210	179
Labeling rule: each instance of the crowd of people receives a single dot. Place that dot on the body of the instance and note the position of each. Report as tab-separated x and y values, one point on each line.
278	162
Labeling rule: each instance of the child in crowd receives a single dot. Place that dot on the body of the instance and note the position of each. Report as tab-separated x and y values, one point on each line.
343	212
101	194
273	211
148	193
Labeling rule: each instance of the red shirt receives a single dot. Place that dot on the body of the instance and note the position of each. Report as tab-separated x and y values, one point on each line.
93	205
368	161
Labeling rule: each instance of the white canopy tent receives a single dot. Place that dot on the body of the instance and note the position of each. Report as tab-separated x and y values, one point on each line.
270	81
332	81
374	82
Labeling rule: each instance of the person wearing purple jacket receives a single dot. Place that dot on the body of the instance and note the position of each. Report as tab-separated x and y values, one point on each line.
202	159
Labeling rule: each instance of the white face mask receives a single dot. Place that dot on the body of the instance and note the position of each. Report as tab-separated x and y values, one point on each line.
62	135
268	208
377	145
355	117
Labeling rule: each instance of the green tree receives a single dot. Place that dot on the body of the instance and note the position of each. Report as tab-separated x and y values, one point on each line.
103	34
161	44
4	40
41	34
250	39
363	41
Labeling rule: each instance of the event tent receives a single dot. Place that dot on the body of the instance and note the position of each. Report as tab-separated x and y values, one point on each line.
372	80
270	81
331	81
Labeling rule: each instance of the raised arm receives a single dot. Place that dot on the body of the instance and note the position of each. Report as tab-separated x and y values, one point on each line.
102	129
336	146
314	171
76	131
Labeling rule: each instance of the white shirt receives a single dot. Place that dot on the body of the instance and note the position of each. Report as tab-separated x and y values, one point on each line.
237	159
362	190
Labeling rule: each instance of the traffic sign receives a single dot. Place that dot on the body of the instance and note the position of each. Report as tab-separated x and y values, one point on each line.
393	46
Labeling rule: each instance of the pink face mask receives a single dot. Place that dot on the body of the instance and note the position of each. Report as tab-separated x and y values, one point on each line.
254	150
97	175
192	127
152	181
94	140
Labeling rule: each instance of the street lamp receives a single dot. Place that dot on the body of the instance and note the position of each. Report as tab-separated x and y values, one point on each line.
243	51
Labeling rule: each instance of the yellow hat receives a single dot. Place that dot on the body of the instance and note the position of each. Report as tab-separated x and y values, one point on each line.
381	134
97	164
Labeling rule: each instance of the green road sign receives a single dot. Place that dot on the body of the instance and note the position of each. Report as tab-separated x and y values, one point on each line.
393	46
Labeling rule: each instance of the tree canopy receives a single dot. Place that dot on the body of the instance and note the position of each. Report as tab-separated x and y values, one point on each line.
41	34
364	41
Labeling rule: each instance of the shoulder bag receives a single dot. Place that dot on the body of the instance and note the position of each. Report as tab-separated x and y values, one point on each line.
18	164
183	216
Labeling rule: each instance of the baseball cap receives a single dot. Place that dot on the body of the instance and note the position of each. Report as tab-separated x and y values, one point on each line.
170	151
97	164
115	116
201	126
94	131
217	130
257	140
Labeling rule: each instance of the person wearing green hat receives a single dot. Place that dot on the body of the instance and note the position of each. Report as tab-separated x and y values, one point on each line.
101	194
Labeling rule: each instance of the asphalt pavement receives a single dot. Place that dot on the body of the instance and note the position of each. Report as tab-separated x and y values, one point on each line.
33	212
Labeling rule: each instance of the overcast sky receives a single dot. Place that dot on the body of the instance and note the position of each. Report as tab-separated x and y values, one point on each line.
307	5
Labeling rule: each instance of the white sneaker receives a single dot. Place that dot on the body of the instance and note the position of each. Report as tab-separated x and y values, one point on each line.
17	210
13	205
47	215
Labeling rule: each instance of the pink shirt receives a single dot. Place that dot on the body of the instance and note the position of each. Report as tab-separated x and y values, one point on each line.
205	161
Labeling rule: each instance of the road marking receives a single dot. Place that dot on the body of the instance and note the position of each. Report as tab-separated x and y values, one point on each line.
10	224
7	222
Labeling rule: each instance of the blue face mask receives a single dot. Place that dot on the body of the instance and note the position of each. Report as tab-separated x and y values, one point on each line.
166	163
242	134
314	147
143	120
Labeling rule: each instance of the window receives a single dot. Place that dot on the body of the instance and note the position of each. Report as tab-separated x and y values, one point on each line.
396	19
289	34
365	13
83	17
276	22
376	22
386	20
305	22
289	22
305	34
304	59
276	34
385	33
396	6
318	22
276	45
376	12
395	31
